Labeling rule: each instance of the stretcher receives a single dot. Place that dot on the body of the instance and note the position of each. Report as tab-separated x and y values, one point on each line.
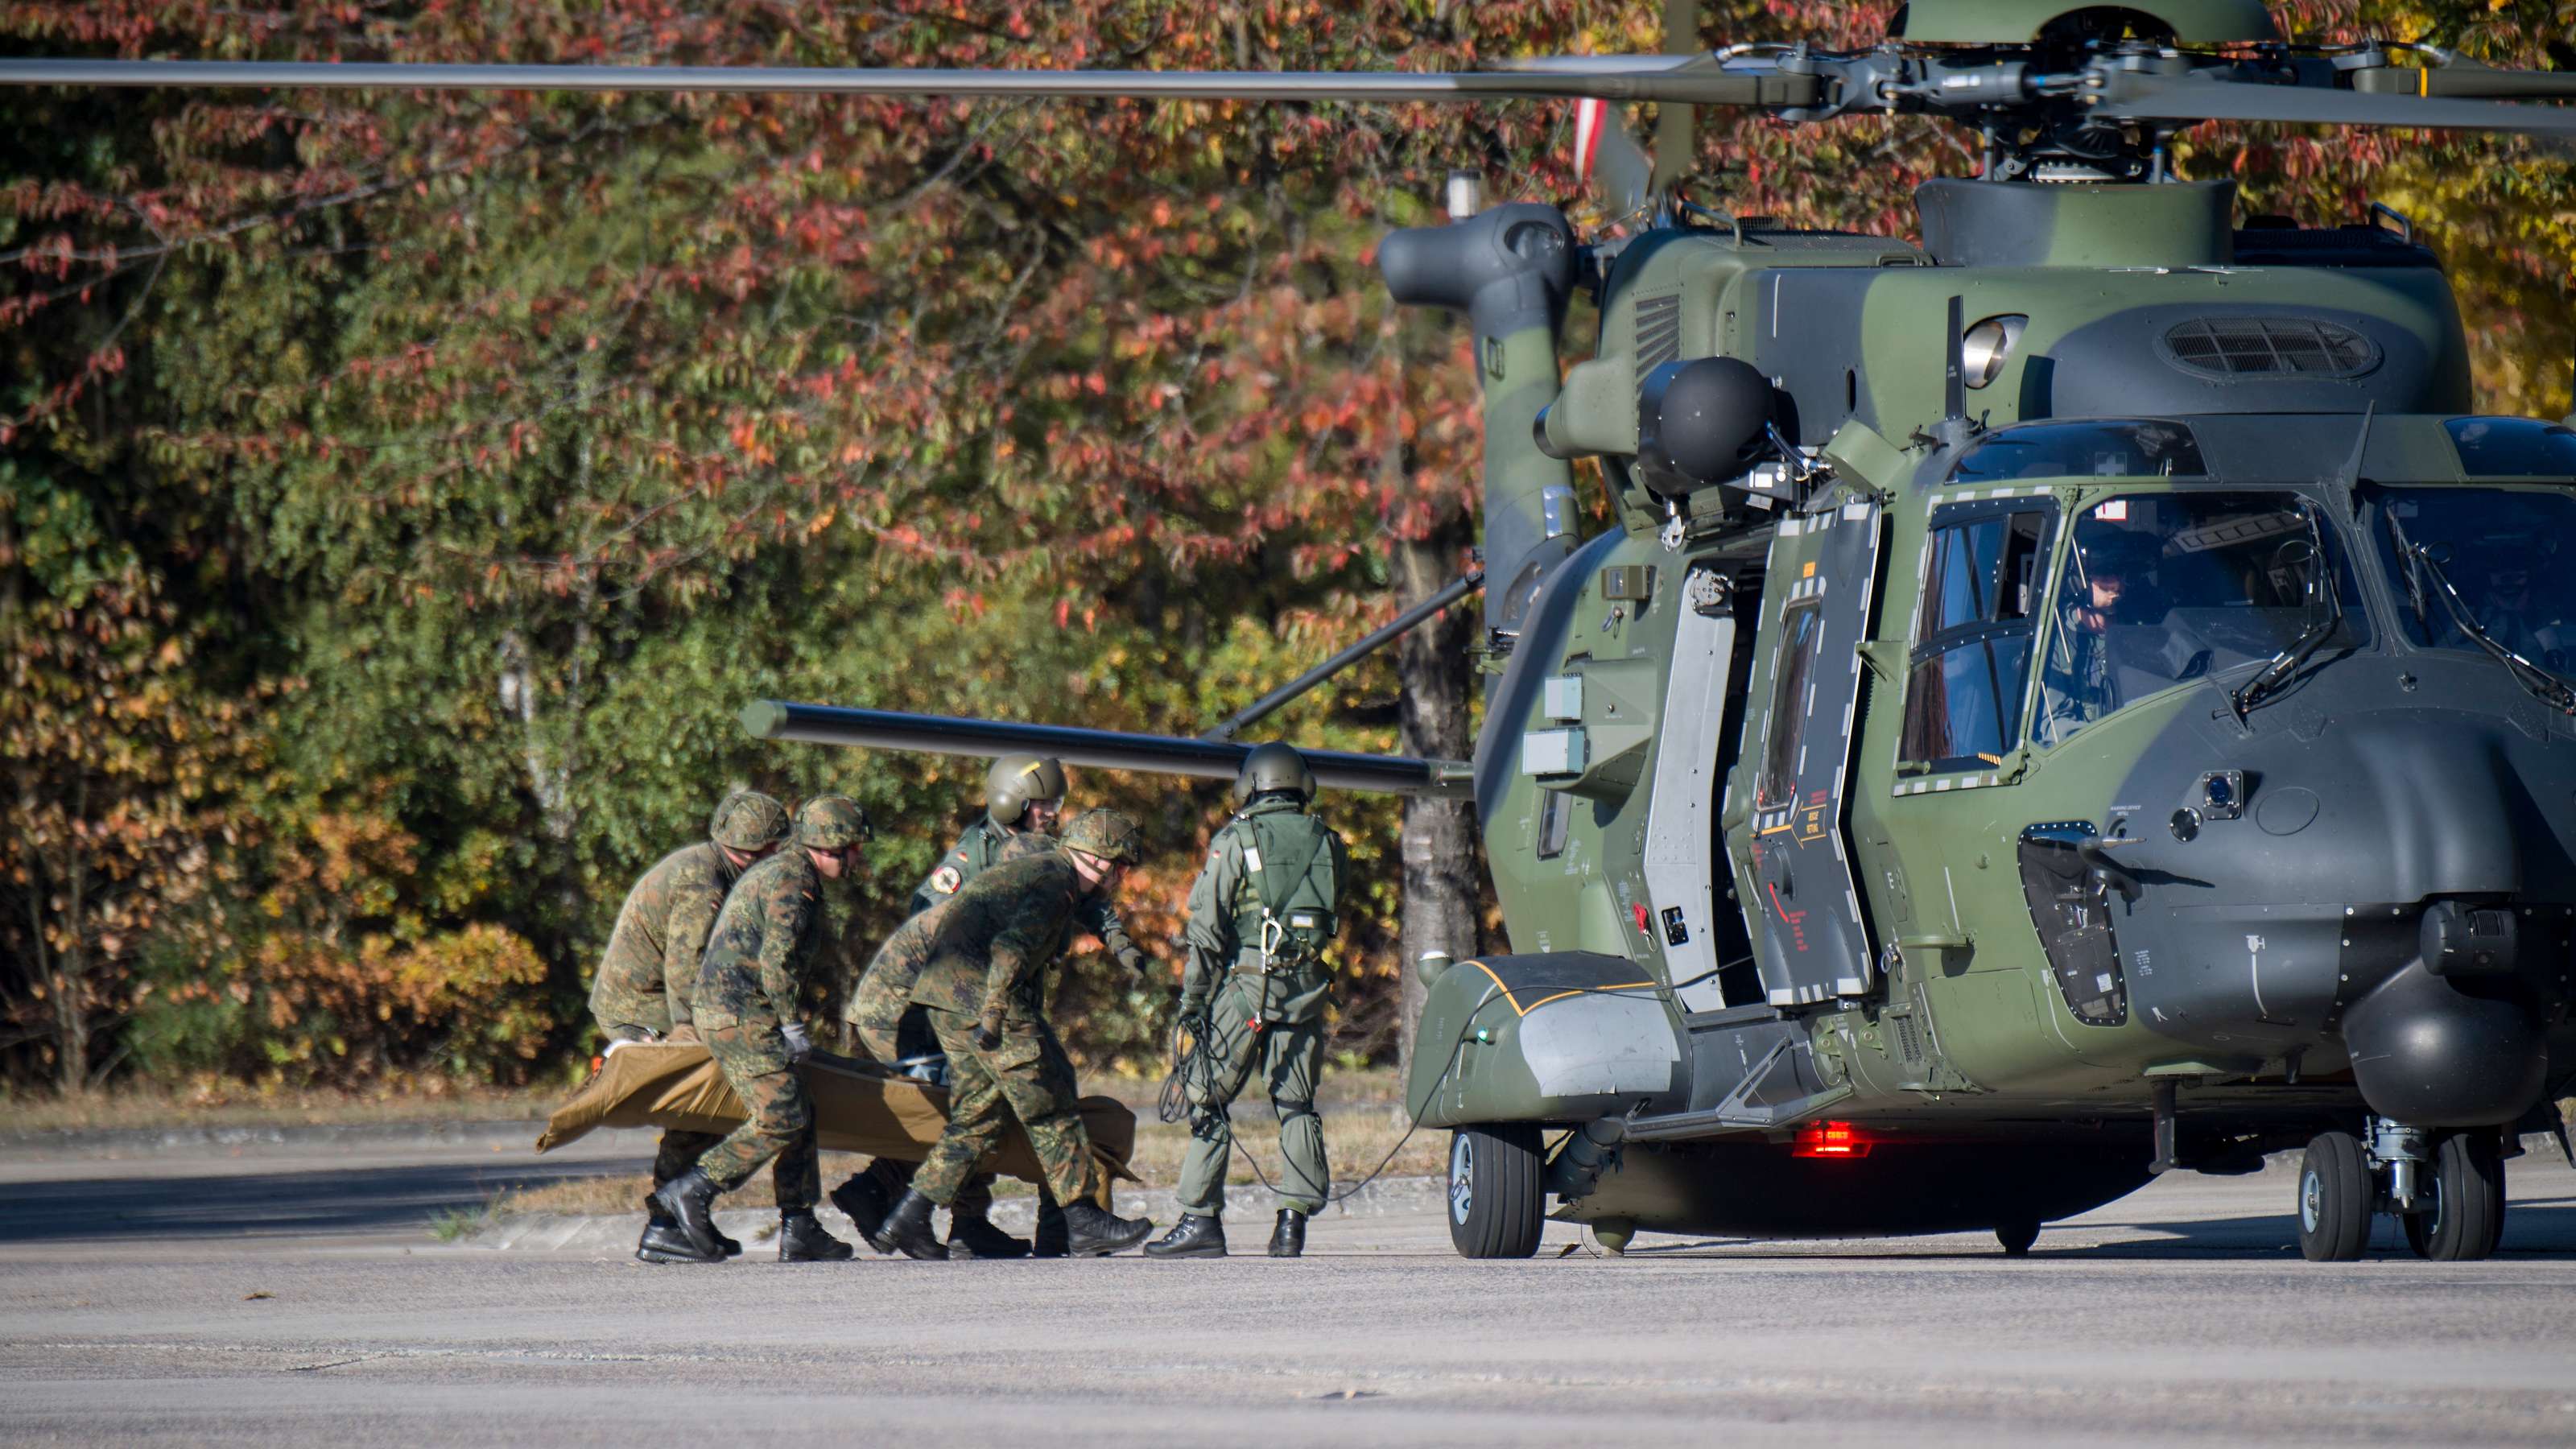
858	1107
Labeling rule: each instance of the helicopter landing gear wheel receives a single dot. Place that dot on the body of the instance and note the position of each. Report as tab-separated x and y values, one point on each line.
1494	1191
2336	1198
2466	1220
2017	1234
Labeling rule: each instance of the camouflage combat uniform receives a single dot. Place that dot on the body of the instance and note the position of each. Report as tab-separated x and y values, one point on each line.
990	960
985	845
748	989
1265	1010
651	964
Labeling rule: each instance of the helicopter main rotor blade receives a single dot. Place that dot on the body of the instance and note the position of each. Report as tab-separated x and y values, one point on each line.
2466	78
882	729
2133	96
1706	85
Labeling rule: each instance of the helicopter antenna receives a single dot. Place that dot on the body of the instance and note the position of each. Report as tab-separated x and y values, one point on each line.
1954	382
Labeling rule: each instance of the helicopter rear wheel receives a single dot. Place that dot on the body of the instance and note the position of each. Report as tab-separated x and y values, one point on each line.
2336	1199
2466	1220
2017	1234
1495	1190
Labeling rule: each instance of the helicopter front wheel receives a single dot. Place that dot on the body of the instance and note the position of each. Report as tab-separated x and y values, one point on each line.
2336	1199
1495	1190
2466	1220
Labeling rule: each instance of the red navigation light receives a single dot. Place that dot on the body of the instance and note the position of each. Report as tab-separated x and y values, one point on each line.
1830	1139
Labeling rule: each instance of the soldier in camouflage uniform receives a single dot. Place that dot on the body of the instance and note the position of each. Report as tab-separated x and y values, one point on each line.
748	1009
641	993
1253	988
1023	795
985	985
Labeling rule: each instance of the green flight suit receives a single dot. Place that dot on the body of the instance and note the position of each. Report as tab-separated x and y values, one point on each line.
749	988
989	967
651	965
1273	872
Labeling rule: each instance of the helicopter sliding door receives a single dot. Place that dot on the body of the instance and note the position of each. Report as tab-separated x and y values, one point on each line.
1801	900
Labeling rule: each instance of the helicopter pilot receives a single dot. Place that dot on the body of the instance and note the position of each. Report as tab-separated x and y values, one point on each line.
2076	685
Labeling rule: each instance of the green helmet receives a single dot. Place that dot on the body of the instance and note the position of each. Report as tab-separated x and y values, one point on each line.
830	822
1107	834
1016	780
1269	767
748	820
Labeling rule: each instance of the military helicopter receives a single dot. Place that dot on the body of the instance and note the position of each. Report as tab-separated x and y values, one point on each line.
2072	697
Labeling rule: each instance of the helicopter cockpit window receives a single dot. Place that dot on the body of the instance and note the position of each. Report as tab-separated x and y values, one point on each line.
2163	588
2093	449
1971	660
2514	448
2500	548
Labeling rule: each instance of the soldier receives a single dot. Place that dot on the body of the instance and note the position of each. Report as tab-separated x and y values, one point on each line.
642	991
1023	798
747	1005
985	985
884	1018
1260	915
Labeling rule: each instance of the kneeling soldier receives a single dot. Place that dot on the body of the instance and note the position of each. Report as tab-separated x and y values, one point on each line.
1260	915
985	985
651	966
748	1008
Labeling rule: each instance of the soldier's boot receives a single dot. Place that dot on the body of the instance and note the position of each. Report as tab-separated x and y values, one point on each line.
1192	1237
690	1200
1288	1240
1049	1241
803	1240
976	1237
665	1242
907	1227
1091	1233
866	1203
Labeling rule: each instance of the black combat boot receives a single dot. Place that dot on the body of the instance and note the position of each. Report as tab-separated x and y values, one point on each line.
978	1238
664	1242
1049	1241
803	1240
1091	1233
907	1227
1288	1240
654	1211
866	1203
1192	1237
690	1200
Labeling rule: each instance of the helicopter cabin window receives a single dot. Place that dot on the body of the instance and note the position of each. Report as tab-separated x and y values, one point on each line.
1972	635
2514	448
2149	448
1802	635
2160	589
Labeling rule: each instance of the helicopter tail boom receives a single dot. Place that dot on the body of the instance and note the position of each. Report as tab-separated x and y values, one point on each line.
882	729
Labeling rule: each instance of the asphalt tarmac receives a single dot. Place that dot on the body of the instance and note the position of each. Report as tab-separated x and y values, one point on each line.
290	1293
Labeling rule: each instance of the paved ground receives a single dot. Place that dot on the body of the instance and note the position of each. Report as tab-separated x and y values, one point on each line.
286	1292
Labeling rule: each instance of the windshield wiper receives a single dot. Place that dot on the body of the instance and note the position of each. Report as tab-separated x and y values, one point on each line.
2277	670
2541	682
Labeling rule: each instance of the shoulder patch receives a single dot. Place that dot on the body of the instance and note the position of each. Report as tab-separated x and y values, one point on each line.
945	880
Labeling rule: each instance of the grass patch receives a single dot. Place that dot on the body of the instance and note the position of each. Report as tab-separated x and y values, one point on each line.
458	1223
1356	1138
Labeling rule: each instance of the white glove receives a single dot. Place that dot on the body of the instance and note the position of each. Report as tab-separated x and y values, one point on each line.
800	1042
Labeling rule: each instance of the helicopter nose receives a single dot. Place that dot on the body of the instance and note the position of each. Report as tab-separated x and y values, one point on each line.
2411	909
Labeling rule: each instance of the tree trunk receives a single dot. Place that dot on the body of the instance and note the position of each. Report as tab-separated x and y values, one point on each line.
1439	837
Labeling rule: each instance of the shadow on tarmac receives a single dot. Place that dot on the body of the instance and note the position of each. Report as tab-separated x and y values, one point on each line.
338	1200
2533	1229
